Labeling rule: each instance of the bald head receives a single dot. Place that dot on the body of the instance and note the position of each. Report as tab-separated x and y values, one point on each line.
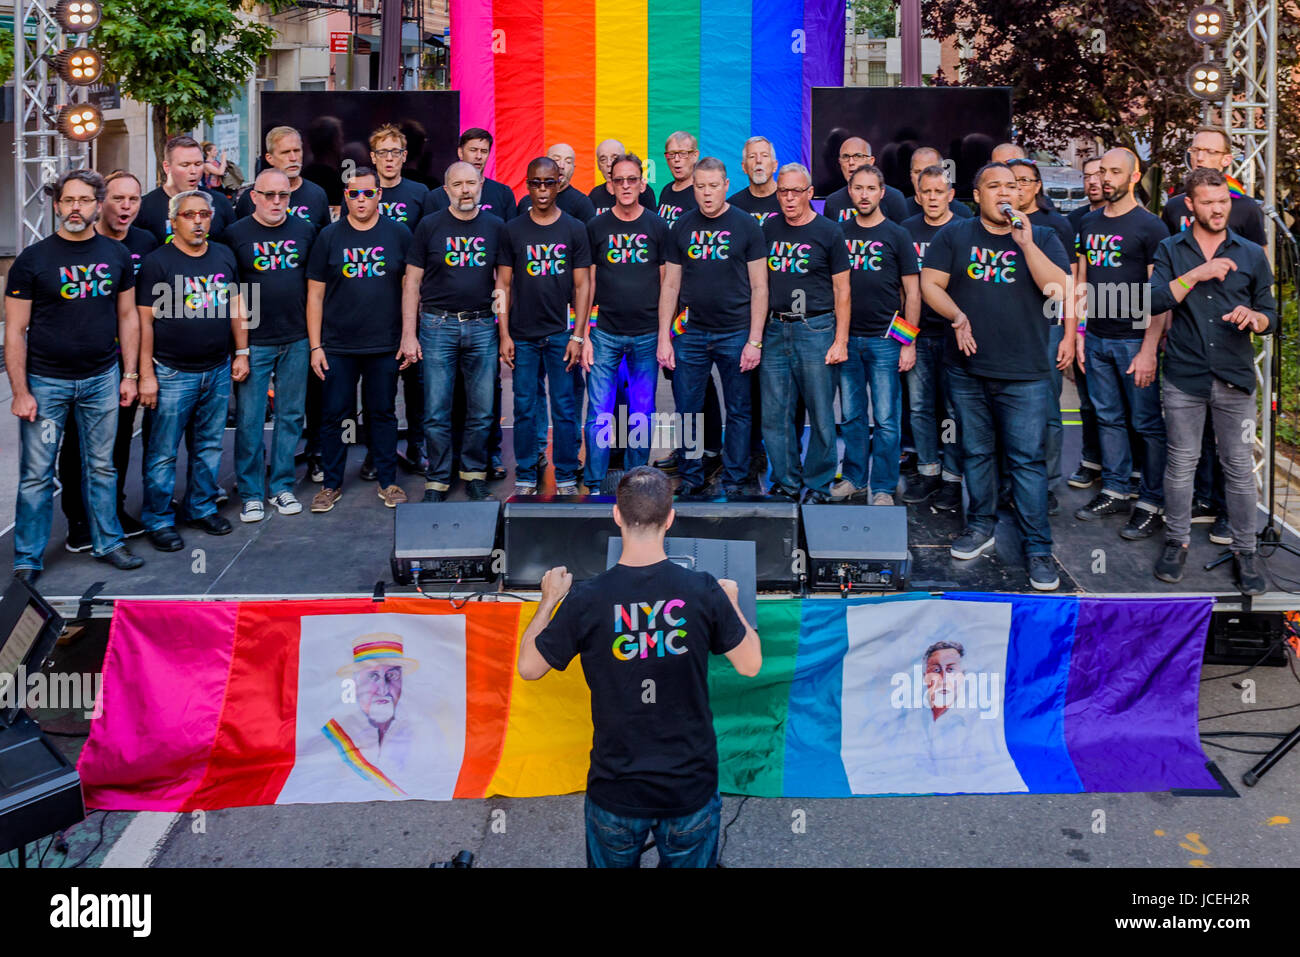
566	159
1119	172
606	152
923	157
1007	151
854	152
460	170
1120	158
271	210
462	183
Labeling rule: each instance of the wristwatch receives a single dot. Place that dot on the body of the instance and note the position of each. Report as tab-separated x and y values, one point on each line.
242	352
130	375
573	338
756	343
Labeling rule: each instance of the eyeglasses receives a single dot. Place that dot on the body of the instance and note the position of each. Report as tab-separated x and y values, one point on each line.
194	215
861	157
791	190
1025	180
389	154
1202	149
625	180
1095	174
367	193
78	201
678	154
543	183
272	195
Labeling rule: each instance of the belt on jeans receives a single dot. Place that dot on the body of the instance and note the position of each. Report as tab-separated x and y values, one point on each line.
468	315
787	316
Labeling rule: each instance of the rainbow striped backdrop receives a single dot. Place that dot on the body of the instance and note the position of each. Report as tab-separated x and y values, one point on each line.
581	71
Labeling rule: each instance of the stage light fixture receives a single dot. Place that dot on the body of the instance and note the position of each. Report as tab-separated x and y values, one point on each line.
80	66
1208	23
77	16
80	122
1207	80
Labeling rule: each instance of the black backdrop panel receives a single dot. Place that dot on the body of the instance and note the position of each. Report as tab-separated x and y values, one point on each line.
962	123
336	127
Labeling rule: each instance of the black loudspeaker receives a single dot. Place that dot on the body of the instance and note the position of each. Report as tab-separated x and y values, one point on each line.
856	546
445	542
540	534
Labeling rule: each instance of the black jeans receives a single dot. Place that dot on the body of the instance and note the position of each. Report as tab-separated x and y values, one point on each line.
378	374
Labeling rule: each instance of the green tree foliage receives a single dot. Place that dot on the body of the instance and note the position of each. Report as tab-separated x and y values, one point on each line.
187	58
6	56
875	18
1110	70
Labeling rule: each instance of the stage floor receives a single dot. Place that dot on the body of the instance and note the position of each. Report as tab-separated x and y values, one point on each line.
346	551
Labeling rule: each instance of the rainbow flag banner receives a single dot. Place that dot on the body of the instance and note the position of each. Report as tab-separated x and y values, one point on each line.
581	71
902	330
210	704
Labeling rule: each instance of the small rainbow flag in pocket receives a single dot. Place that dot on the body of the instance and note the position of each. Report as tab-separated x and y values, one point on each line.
595	314
902	330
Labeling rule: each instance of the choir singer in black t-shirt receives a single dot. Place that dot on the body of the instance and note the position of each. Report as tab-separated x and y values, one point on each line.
645	630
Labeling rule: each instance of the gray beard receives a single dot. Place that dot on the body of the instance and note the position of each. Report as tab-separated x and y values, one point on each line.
759	178
80	227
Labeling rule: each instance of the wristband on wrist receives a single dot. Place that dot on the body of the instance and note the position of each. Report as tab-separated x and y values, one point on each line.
756	343
314	348
130	375
1183	282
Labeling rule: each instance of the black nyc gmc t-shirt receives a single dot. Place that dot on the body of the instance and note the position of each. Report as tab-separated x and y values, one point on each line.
275	259
459	259
1116	252
153	215
362	271
990	282
404	203
839	205
879	257
800	263
308	202
932	324
673	203
494	198
570	200
627	256
191	300
602	199
658	623
715	254
543	259
762	208
73	287
140	243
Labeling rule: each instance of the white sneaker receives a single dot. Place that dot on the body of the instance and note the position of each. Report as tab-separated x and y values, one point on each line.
286	504
252	512
882	498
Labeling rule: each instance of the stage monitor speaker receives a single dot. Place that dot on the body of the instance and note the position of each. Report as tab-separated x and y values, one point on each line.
857	547
721	559
445	542
540	534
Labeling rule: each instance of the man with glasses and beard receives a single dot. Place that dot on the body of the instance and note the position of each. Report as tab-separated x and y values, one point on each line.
855	152
68	298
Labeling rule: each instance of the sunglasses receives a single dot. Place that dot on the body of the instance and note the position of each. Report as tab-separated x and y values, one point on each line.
194	215
273	195
367	193
543	183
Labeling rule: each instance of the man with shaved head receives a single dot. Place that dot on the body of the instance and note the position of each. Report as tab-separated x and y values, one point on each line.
681	151
449	328
856	152
1117	252
603	195
922	159
1007	151
567	199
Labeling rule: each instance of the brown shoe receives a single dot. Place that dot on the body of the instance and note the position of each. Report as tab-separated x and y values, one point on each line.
393	496
325	499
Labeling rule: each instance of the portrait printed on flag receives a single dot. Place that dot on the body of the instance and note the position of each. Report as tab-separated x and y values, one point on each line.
381	708
923	687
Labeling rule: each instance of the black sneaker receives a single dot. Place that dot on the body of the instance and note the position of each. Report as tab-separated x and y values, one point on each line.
1169	567
1053	504
666	464
166	539
712	465
1101	506
1221	531
699	490
1250	577
1142	523
122	559
222	496
820	498
78	539
434	495
949	498
1042	573
213	524
920	487
368	471
131	527
908	463
315	469
1203	513
477	490
1084	477
971	543
497	473
780	493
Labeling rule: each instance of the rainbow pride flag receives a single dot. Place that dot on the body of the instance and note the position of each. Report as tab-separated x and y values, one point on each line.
1235	188
902	330
581	71
211	705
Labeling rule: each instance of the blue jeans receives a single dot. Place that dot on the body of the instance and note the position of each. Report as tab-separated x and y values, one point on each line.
1090	452
696	352
1011	414
185	398
452	348
608	352
93	404
539	370
287	364
1119	404
931	409
377	372
793	367
687	841
1055	434
870	380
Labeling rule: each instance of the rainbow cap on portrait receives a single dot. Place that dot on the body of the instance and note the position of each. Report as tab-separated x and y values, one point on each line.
377	648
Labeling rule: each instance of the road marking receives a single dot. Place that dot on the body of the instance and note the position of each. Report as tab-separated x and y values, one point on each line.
142	840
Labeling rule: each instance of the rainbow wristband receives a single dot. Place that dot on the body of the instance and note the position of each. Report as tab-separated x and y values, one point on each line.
1183	283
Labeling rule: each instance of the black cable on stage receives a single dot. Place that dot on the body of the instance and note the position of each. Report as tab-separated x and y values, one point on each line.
97	843
1229	714
1234	674
723	844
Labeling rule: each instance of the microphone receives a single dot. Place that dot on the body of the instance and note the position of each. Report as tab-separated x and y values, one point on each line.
1009	211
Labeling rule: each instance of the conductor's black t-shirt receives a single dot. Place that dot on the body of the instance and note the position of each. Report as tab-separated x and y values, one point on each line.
630	625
